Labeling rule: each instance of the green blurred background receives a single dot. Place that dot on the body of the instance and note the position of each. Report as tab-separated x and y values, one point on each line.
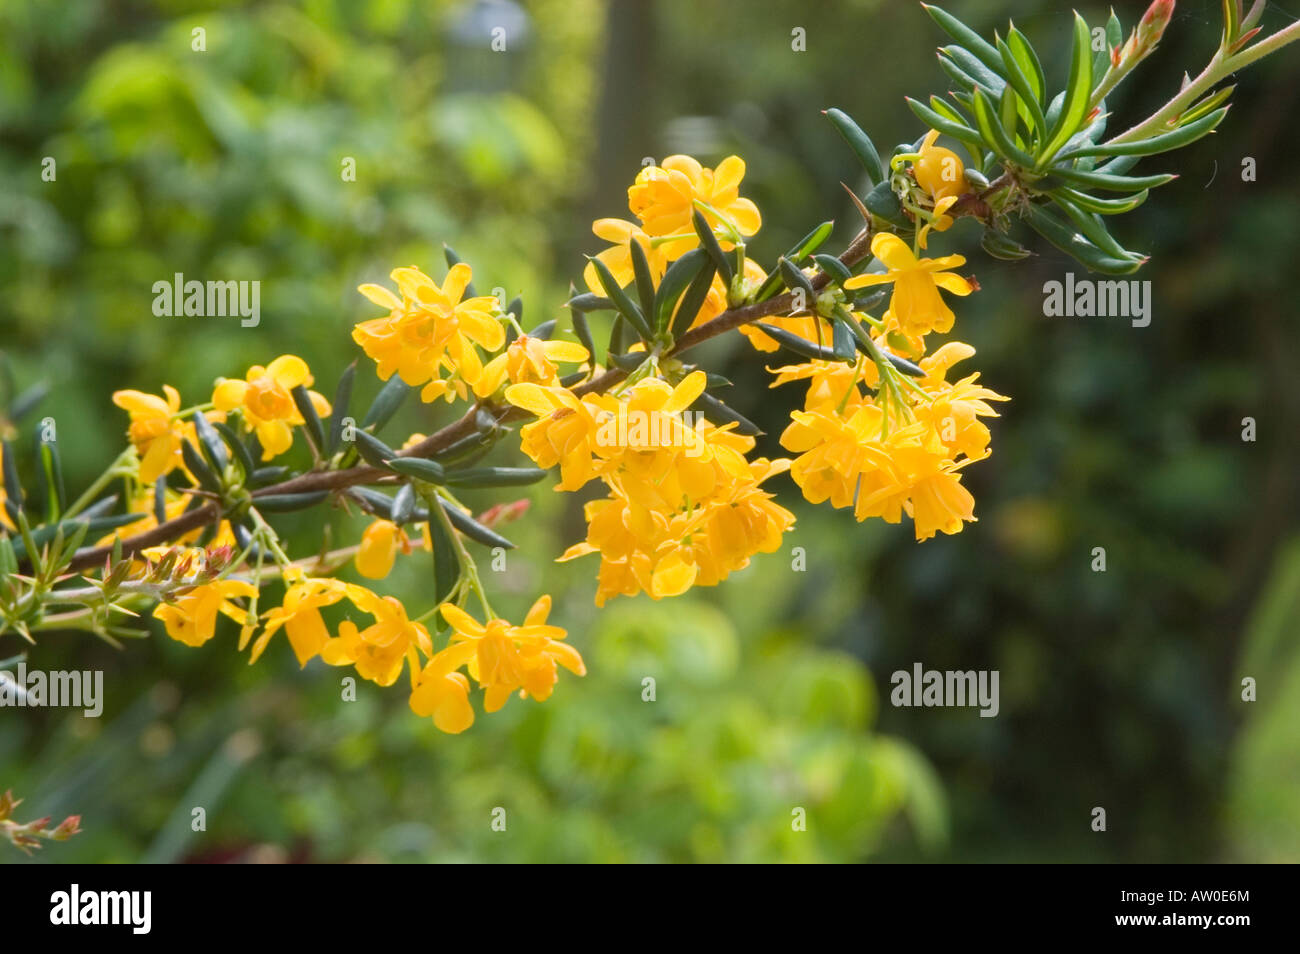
1118	689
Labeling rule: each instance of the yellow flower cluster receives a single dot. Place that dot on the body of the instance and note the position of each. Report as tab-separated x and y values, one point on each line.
263	399
502	659
432	329
899	448
664	198
685	506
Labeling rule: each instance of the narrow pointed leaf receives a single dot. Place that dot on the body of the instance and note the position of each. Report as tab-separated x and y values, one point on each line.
709	242
676	280
860	143
386	403
796	343
473	529
419	468
446	561
285	503
315	430
1077	93
495	477
645	283
691	303
626	307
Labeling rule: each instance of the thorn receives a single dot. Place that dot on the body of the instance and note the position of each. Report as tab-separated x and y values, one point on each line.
862	209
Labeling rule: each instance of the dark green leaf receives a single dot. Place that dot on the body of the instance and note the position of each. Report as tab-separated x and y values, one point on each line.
589	302
795	278
386	403
1067	238
210	442
1180	137
860	143
284	503
1001	247
403	505
1024	87
941	123
796	343
1109	182
446	561
232	440
1028	61
473	529
842	342
315	430
197	466
709	242
993	134
372	449
495	476
645	282
676	280
419	468
582	331
965	36
1077	93
691	303
55	496
626	307
832	266
160	500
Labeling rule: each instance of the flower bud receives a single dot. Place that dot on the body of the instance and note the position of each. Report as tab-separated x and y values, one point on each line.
67	828
1152	25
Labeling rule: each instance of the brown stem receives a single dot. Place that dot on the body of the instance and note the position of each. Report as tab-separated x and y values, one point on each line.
318	480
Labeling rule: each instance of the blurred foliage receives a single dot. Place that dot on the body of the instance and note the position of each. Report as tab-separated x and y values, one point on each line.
1119	689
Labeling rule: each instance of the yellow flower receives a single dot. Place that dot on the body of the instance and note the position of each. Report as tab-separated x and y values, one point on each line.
300	616
155	430
831	384
837	453
680	516
940	221
192	618
442	693
954	409
939	502
429	329
378	550
504	659
380	650
663	198
266	402
940	171
564	434
856	463
916	302
528	360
